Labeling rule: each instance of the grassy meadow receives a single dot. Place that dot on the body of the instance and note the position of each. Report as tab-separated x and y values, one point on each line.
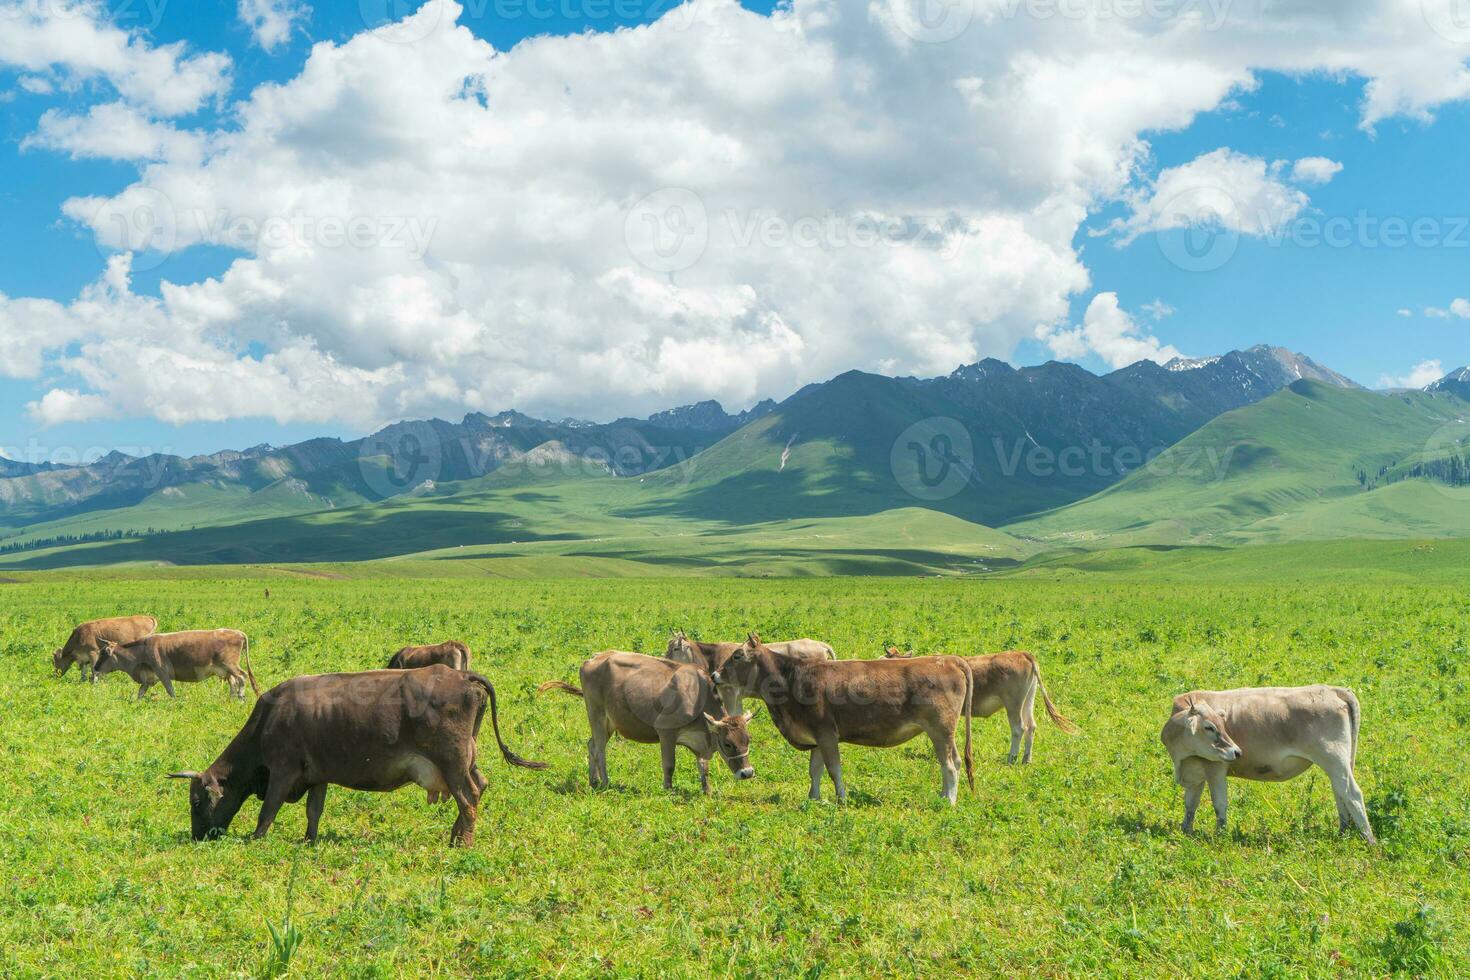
1072	866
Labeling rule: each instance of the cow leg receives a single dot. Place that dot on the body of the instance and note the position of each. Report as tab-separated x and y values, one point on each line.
276	792
667	744
480	781
316	798
236	679
143	687
1192	794
467	798
817	768
168	684
1018	731
1219	794
1349	795
1028	722
597	747
832	758
948	757
703	774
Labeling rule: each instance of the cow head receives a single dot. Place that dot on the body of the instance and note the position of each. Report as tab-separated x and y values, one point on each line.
1198	730
212	803
683	649
730	737
59	663
107	660
736	672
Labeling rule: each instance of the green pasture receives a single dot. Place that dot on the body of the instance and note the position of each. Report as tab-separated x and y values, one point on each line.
1073	866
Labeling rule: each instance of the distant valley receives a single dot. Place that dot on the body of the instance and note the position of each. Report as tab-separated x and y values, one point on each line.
978	469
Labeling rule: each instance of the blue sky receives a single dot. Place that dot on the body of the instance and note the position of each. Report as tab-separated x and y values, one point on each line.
1341	303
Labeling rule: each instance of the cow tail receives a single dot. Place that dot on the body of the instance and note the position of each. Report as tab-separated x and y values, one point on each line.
248	672
561	686
1354	720
969	709
1056	716
505	751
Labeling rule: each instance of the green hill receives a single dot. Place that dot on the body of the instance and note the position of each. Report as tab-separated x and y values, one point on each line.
1308	462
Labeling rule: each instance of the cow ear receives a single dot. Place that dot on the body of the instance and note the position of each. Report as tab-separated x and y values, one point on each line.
211	784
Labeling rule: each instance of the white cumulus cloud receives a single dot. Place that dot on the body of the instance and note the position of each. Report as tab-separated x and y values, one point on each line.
271	21
1419	376
1110	333
70	42
1230	190
1457	308
425	224
1314	170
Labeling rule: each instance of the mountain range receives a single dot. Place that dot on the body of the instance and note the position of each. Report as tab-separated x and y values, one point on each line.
1048	454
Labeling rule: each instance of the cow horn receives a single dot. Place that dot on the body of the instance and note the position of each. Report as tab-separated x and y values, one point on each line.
713	721
182	775
753	639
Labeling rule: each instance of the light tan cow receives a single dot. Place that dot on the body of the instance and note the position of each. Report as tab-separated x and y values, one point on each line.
652	700
1270	734
818	704
188	656
1009	680
84	645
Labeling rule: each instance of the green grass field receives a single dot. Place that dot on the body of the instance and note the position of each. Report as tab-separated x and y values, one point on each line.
1072	866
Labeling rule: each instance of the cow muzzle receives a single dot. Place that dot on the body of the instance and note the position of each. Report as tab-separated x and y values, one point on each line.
747	773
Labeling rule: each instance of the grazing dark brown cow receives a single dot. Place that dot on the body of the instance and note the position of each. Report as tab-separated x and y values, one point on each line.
1008	680
189	656
450	653
84	645
817	704
376	731
649	700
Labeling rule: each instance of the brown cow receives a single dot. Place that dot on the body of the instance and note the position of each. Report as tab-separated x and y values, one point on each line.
817	704
188	656
712	656
84	645
377	730
1009	680
450	653
648	700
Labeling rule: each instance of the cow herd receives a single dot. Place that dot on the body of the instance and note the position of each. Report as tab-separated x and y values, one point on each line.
419	720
